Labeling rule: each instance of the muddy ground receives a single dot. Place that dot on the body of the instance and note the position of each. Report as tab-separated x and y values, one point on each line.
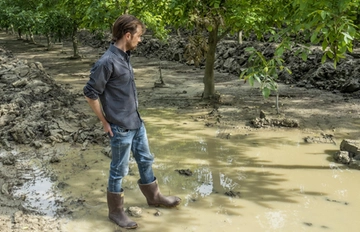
71	122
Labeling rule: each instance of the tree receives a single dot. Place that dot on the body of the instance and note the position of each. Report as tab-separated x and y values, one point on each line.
329	24
218	18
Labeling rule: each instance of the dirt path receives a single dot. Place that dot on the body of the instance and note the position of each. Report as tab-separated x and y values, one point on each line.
315	110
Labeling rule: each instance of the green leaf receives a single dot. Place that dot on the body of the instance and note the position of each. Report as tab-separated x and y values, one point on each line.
323	14
251	81
266	92
257	78
329	54
242	75
279	51
324	44
323	58
304	56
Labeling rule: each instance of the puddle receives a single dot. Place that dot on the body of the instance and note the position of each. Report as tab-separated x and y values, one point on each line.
255	181
39	193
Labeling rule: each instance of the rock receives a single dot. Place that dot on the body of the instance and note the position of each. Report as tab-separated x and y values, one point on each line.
342	157
134	211
157	213
351	146
355	164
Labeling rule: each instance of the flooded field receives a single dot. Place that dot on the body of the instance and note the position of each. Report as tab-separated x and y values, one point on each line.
259	181
230	176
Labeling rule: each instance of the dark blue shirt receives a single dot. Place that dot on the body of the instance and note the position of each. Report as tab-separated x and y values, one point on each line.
112	81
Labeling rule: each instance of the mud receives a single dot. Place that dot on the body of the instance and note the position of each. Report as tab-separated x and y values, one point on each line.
42	110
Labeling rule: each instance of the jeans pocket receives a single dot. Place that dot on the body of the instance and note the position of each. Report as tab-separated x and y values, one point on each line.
119	130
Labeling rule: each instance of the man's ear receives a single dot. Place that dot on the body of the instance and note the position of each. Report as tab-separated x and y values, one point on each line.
128	35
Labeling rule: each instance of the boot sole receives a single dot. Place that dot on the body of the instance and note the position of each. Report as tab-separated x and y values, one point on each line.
125	227
165	206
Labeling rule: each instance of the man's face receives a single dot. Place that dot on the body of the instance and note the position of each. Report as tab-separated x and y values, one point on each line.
133	40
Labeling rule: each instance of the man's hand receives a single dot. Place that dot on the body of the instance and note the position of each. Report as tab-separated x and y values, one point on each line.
95	106
107	128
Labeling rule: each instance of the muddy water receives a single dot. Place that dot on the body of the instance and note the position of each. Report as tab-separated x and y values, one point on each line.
277	182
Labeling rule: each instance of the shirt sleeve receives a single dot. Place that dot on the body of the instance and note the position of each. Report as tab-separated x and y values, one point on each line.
99	76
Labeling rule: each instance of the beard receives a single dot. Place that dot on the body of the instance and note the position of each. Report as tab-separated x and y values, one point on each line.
131	45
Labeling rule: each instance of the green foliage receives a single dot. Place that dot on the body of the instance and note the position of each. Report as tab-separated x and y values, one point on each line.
264	71
329	24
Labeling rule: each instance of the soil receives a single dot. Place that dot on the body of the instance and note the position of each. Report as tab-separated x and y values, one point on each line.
238	108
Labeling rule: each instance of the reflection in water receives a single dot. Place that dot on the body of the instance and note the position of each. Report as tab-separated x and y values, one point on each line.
204	178
227	182
39	193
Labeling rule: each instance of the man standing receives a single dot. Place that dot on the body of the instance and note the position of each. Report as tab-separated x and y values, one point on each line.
112	82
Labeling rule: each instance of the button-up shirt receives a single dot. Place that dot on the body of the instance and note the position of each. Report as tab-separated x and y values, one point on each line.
112	81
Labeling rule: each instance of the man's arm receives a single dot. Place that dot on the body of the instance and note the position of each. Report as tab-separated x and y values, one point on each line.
95	106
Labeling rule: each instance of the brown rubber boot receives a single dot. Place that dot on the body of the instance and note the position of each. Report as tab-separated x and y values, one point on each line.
155	198
116	211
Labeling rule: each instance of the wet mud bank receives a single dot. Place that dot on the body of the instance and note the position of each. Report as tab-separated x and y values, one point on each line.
35	114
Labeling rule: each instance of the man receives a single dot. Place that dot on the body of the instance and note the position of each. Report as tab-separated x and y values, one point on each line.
112	82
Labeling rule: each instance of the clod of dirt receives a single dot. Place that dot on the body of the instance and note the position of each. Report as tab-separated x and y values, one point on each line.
134	211
269	122
9	160
185	172
157	213
55	159
323	138
232	194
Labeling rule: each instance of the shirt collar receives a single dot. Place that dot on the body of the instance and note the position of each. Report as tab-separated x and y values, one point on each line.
120	53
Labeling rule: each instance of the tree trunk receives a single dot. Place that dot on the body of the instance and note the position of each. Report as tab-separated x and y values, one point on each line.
12	29
19	34
209	85
75	41
48	40
178	32
31	35
240	37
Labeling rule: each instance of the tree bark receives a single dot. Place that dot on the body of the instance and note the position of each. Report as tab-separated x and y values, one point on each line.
19	34
75	41
240	38
209	85
48	40
31	35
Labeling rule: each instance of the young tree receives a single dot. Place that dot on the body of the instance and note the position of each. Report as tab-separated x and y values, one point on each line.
219	18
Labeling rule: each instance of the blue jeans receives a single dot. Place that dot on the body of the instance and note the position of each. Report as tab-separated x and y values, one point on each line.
122	143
